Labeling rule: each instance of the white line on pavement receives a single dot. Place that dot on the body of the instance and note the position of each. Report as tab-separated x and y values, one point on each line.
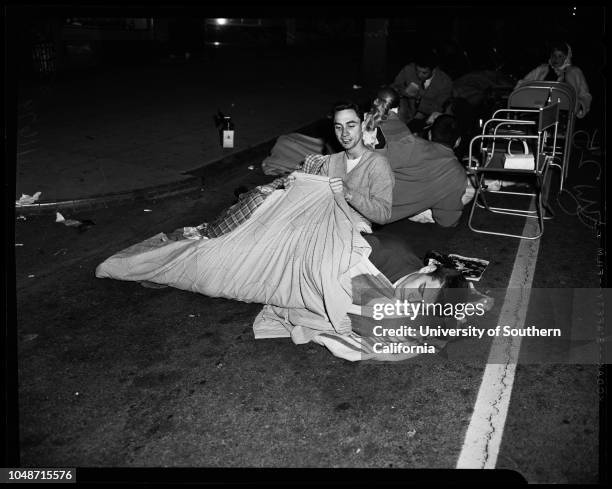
484	434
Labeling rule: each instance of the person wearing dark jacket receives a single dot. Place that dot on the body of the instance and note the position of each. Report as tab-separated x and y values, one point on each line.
424	89
430	183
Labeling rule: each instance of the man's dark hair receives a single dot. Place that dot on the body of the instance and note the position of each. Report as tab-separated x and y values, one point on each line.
347	105
445	130
426	59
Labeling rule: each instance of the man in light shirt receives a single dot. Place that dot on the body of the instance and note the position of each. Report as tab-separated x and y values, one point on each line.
363	176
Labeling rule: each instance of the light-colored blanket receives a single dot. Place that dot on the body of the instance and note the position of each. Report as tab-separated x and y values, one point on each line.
299	254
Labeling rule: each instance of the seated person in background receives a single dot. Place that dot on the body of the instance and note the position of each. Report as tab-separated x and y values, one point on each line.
424	88
363	176
430	183
559	68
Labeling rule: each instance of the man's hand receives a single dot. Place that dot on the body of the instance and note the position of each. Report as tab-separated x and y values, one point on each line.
411	90
336	185
363	227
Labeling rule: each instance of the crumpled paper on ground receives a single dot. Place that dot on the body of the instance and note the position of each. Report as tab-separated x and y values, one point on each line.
67	222
81	226
26	199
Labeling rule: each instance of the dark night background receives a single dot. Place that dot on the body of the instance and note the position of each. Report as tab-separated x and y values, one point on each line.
91	37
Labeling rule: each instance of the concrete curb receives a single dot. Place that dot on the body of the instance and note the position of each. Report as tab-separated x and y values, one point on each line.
201	178
99	201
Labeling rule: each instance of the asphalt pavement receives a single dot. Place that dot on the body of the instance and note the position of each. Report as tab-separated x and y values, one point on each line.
112	374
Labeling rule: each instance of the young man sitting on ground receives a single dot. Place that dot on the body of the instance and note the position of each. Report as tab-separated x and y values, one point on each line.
362	175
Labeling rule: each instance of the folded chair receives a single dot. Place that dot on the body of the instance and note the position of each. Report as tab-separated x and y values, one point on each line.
535	94
495	158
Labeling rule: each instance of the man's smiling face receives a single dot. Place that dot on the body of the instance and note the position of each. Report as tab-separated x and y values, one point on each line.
347	126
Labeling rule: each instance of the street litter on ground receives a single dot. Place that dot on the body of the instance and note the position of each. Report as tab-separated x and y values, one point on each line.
74	223
26	199
66	222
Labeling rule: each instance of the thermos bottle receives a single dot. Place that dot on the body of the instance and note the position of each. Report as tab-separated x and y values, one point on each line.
227	132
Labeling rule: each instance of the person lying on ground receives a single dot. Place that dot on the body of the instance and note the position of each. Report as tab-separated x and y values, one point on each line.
431	185
435	279
394	146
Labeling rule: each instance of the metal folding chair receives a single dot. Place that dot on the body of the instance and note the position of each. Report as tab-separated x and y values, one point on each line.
491	162
534	94
556	86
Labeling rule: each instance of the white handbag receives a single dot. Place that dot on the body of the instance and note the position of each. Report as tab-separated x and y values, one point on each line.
523	161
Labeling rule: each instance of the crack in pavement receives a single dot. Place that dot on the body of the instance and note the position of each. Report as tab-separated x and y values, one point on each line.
484	433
